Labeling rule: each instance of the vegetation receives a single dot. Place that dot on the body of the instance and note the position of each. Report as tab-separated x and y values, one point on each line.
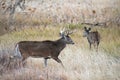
82	61
109	37
43	22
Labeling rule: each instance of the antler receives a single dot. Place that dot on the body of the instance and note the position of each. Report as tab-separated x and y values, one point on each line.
63	31
68	32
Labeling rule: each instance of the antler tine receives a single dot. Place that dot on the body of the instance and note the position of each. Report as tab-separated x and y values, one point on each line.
65	31
62	31
71	31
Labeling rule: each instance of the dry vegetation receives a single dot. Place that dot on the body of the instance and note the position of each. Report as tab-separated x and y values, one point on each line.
52	12
80	63
42	21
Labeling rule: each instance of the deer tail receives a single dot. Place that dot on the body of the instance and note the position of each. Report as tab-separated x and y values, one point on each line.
17	52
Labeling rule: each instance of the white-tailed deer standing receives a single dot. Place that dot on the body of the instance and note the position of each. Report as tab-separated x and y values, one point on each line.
45	49
93	37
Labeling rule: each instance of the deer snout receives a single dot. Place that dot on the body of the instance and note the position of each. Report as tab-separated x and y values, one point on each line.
72	42
84	34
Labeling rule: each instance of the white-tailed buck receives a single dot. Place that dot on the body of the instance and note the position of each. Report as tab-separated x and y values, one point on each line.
45	49
93	37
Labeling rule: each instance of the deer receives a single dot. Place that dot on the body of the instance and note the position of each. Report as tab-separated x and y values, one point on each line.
46	49
93	37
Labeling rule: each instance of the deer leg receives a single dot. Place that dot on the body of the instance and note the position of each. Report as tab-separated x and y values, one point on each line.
97	47
59	61
94	45
45	62
90	46
24	61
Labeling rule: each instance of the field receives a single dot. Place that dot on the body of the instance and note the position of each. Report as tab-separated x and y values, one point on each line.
45	23
80	62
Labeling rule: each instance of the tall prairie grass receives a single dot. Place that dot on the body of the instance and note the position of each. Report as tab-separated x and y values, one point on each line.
80	62
44	24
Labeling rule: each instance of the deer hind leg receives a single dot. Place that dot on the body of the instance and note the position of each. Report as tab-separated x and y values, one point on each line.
90	45
59	61
94	44
97	46
45	61
24	60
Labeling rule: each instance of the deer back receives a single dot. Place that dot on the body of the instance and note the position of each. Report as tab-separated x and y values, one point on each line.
93	37
37	48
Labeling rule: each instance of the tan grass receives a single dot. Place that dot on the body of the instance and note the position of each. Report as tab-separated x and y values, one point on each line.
80	62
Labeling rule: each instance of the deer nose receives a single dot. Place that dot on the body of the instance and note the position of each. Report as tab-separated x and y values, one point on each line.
73	43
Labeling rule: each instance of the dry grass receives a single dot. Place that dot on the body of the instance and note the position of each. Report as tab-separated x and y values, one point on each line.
67	11
80	63
83	65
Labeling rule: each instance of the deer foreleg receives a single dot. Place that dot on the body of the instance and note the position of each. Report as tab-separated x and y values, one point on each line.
59	61
45	62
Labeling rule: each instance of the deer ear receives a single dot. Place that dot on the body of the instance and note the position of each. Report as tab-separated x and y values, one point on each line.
89	29
85	28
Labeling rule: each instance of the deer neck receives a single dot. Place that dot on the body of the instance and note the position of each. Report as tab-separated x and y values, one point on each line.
88	33
60	44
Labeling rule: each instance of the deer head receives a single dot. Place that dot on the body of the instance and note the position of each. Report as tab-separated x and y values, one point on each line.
65	36
86	31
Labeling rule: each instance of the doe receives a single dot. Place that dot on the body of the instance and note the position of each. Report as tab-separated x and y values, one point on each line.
93	37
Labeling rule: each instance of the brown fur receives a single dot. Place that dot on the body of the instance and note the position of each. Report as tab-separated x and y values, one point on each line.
46	49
